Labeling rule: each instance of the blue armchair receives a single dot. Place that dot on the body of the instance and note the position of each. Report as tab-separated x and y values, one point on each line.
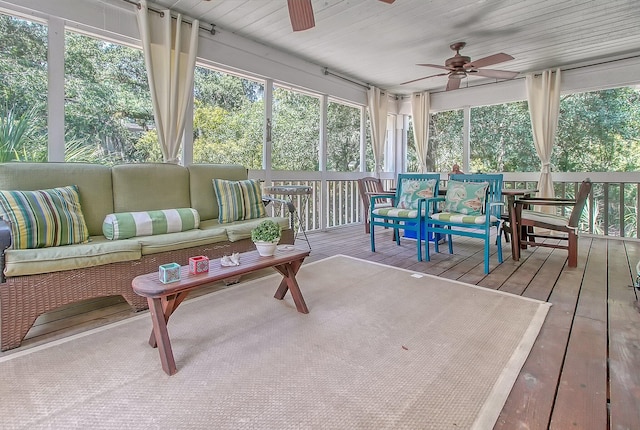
471	208
409	208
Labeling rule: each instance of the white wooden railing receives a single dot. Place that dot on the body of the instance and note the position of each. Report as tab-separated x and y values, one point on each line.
335	200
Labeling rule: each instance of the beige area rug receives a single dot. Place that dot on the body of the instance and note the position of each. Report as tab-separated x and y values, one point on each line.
382	348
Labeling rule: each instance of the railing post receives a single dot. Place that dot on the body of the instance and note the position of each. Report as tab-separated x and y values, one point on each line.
324	107
605	192
621	185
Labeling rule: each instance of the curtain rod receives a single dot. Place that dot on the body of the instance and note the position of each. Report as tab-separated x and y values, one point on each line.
211	30
326	71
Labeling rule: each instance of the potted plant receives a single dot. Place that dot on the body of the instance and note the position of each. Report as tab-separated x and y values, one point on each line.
266	236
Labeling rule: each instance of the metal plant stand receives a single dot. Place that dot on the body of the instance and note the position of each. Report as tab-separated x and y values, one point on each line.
289	191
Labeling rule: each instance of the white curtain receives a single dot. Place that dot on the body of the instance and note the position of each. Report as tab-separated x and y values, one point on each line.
420	106
543	95
170	47
378	107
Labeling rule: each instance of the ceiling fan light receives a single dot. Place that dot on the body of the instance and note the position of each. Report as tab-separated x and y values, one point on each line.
458	74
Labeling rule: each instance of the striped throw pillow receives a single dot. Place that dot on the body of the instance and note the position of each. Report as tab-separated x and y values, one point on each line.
239	200
44	218
230	200
125	225
252	197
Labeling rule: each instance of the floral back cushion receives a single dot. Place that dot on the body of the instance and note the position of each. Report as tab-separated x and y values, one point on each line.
412	190
467	198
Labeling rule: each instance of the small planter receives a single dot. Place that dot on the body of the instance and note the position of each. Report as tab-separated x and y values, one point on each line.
266	249
266	237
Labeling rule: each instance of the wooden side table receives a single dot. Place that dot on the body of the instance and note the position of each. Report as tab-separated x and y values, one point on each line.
511	195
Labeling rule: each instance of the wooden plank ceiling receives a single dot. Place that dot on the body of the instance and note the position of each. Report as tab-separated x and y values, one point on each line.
380	44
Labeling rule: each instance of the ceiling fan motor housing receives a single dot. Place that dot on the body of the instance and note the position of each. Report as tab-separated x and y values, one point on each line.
457	61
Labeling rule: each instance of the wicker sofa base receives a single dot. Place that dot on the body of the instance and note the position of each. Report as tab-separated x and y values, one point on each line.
25	298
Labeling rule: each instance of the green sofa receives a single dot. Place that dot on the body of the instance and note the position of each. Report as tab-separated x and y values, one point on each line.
36	281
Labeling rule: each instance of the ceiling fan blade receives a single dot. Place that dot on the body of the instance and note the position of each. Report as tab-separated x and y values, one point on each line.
498	74
301	14
488	61
426	77
387	1
436	66
453	84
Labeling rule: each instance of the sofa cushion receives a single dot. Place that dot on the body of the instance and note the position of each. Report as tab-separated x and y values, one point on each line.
203	197
98	251
242	229
182	240
93	181
149	186
211	223
467	198
44	218
130	224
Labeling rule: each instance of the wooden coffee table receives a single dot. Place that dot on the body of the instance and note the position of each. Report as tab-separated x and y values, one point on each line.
164	299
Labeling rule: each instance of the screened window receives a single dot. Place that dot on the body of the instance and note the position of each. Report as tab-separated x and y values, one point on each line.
343	137
501	139
108	111
228	119
23	90
445	142
598	132
295	131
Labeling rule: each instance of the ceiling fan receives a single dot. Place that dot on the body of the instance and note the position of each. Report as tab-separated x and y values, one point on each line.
301	14
460	66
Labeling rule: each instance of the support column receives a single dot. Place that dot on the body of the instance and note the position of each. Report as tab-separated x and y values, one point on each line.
324	188
267	130
466	140
55	93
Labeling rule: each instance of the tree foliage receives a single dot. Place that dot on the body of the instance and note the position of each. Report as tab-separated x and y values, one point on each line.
296	131
343	138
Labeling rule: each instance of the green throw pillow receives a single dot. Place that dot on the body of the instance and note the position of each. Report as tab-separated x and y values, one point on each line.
230	200
252	196
44	218
467	198
125	225
412	190
239	200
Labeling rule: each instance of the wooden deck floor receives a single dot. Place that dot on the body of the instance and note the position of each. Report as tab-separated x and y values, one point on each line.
584	369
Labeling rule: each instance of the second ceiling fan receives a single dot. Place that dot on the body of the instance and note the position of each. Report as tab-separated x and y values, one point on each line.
301	14
460	66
